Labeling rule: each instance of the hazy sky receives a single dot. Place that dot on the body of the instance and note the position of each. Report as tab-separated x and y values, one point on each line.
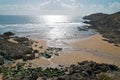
66	7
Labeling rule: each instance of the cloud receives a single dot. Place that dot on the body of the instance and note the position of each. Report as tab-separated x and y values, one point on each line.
15	9
98	8
57	4
114	6
59	7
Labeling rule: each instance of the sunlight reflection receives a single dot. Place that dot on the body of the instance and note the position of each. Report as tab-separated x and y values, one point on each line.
54	18
55	21
55	34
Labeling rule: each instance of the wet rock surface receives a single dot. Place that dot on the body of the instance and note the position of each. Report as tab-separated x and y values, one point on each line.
106	24
86	70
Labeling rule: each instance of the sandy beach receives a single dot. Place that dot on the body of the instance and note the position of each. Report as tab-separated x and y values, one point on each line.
91	49
96	43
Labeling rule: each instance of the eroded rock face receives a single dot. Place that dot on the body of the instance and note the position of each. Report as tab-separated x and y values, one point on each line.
107	25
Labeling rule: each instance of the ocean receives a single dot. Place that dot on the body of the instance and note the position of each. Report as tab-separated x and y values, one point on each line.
49	27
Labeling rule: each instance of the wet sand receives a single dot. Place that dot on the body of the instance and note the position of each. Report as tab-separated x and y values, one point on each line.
96	43
91	49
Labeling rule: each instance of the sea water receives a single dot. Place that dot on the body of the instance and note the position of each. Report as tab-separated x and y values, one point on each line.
50	27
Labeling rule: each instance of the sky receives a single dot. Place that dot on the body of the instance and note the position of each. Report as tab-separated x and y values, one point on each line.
58	7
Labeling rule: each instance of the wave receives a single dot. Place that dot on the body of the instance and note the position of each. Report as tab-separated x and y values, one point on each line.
64	28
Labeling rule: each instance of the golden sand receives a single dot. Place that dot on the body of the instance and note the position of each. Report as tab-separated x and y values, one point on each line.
91	49
68	58
39	45
96	43
40	62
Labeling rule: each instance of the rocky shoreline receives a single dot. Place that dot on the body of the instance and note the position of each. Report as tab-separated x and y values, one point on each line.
9	49
108	25
13	48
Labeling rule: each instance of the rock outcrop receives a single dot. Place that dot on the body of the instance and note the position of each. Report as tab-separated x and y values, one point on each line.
86	70
106	24
10	50
8	34
89	71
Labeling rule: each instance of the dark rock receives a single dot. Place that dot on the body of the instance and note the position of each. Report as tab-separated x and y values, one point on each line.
88	70
20	39
107	25
29	51
25	78
28	57
84	73
46	55
35	51
60	78
97	16
13	51
34	76
113	67
65	77
83	28
76	77
8	34
1	61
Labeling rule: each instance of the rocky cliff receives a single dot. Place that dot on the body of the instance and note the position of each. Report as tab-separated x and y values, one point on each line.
106	24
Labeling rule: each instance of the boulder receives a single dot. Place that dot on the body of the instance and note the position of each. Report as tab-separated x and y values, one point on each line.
8	34
28	57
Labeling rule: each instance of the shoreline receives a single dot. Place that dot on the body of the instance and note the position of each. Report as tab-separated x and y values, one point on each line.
92	48
82	51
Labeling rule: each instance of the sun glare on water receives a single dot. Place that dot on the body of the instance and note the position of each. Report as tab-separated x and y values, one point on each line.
56	22
54	18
